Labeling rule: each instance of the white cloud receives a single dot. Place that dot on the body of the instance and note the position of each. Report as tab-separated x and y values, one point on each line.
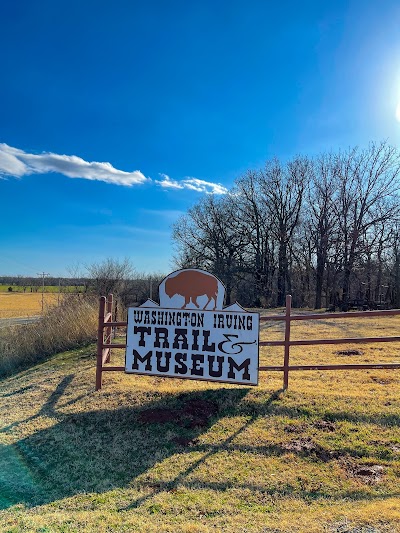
204	186
17	163
168	183
193	184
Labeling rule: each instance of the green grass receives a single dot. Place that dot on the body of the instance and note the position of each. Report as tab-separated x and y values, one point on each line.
249	460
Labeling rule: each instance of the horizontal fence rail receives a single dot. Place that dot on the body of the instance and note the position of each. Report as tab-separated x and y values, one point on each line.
106	327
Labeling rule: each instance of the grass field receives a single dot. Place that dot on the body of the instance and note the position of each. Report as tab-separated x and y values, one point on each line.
161	455
14	304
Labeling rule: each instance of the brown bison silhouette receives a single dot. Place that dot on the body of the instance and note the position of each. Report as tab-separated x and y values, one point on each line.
192	284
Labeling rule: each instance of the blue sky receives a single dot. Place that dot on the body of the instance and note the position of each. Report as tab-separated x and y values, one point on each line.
116	117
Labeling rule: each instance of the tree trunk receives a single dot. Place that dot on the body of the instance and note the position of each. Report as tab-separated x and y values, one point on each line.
346	289
319	279
282	275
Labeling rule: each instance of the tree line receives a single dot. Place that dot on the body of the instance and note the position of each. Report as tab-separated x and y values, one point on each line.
111	275
324	229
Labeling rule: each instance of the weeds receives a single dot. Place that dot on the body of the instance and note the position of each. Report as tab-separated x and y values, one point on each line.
70	325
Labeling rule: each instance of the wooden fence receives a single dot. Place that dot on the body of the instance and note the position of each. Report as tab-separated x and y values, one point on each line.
106	327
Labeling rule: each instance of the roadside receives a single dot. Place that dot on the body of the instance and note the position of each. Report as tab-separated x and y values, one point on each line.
19	321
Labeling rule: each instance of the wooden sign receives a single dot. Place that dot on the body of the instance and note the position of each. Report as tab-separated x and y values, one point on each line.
190	335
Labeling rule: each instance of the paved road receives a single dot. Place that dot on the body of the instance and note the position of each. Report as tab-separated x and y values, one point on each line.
4	322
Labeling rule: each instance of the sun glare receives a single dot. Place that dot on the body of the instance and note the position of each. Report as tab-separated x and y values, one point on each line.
398	112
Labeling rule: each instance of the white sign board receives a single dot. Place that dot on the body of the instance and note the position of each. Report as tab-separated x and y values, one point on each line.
191	336
193	344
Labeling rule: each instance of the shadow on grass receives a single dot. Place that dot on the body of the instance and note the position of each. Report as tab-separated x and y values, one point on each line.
19	391
48	408
100	450
97	451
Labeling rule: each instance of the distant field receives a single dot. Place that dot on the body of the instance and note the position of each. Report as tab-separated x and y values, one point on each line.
15	304
38	288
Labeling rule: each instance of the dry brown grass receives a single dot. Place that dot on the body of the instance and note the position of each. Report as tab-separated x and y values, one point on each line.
323	457
18	304
71	324
329	354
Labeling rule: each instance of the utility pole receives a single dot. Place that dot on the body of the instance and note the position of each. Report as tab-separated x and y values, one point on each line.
43	274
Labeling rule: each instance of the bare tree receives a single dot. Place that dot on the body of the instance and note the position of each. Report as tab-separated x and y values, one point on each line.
394	279
78	277
208	237
253	221
320	215
283	188
111	276
310	227
367	196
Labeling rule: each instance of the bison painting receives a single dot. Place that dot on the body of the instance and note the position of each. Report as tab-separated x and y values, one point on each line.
192	284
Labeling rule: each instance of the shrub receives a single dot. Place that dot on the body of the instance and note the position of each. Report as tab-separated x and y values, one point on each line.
70	325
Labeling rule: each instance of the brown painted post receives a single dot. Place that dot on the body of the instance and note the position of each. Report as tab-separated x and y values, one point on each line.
287	340
109	328
100	342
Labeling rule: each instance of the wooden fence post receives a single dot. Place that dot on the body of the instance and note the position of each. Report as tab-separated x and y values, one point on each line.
109	328
100	342
287	340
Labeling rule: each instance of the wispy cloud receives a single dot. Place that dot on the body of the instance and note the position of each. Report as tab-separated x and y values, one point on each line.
121	230
18	163
168	214
193	184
